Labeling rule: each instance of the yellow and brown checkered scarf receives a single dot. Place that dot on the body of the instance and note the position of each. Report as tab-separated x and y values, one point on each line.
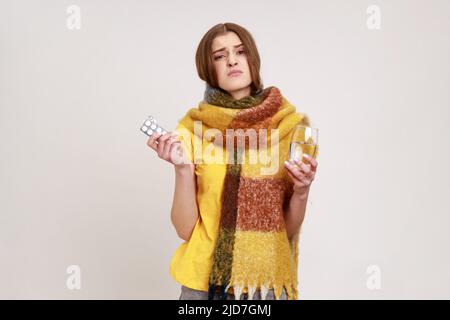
252	250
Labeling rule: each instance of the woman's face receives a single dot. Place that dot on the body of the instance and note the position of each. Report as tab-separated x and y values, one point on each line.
229	54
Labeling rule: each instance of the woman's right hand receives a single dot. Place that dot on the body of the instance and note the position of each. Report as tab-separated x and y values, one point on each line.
168	148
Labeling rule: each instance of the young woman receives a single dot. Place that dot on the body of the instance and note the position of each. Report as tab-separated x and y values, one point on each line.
240	220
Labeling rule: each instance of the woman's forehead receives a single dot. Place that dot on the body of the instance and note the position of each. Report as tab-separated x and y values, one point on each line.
228	40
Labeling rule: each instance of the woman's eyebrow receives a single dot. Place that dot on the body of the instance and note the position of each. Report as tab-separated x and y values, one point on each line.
221	49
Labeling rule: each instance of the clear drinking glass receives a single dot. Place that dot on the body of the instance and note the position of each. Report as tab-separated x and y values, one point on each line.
304	140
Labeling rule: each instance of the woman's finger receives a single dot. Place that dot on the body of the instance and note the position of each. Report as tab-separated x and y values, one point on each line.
176	155
308	169
311	161
172	139
310	172
166	148
305	168
161	143
295	171
296	180
151	142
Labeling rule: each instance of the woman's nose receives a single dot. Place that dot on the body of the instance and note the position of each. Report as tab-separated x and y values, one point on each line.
231	60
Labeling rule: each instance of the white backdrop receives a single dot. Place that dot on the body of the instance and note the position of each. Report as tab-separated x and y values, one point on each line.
79	186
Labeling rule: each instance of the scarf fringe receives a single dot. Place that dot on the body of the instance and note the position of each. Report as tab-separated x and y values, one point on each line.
238	289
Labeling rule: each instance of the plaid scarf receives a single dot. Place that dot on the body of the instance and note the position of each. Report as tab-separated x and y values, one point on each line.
252	250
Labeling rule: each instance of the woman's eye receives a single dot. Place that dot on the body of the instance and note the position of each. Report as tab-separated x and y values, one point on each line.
218	57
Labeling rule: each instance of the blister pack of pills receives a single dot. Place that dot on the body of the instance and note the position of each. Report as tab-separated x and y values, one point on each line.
150	126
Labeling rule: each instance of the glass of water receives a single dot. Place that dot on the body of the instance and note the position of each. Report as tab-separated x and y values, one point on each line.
304	140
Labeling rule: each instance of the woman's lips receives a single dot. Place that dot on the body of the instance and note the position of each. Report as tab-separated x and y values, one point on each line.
235	74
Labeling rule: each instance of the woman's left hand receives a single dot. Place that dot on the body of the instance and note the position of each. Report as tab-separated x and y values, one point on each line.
302	174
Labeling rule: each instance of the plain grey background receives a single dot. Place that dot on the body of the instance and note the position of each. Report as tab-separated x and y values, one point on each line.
79	186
